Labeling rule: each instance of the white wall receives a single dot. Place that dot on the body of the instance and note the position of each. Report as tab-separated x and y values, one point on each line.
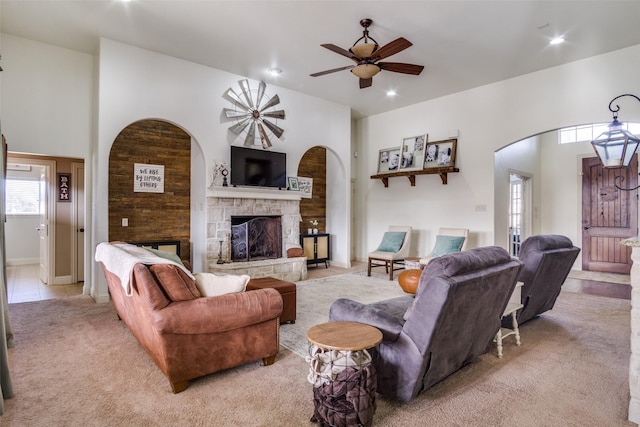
137	84
488	118
47	99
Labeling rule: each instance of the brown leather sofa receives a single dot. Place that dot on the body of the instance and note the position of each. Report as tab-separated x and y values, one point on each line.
189	336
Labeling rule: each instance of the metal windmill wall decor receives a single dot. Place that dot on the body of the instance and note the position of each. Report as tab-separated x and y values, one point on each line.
254	114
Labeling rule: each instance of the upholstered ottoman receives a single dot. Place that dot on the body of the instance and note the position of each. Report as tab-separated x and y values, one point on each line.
409	279
287	291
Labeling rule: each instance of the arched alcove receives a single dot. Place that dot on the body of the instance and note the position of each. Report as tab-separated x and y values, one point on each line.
151	216
313	164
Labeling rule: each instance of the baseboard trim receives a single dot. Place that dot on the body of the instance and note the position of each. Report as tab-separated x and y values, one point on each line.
102	299
62	280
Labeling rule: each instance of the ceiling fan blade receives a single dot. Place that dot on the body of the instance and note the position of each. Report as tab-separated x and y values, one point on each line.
275	100
229	113
261	88
279	114
340	51
263	137
239	127
399	67
398	45
277	131
236	99
246	91
322	73
251	135
365	83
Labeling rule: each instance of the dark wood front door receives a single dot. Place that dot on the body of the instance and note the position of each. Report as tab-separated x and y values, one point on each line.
608	216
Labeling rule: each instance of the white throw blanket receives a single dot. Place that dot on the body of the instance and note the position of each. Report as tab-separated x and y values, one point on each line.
119	258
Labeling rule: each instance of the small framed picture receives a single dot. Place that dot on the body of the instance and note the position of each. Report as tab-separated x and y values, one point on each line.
306	187
441	154
292	182
388	160
412	150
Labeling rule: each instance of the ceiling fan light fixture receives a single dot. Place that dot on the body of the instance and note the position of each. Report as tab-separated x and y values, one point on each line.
363	50
365	71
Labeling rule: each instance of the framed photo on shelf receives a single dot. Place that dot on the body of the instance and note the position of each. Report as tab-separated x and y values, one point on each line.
388	160
412	150
441	154
306	187
292	182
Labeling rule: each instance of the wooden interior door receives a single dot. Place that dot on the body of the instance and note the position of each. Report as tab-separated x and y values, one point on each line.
609	215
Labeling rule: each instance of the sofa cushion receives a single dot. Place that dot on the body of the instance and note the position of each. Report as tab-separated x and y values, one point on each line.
391	241
465	262
177	285
214	284
546	242
447	244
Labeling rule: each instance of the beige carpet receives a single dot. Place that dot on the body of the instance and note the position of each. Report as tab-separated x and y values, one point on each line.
75	364
314	297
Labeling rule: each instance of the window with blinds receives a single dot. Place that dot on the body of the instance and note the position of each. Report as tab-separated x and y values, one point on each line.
22	196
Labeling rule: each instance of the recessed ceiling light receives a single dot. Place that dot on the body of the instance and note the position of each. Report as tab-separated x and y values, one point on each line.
557	40
391	92
275	71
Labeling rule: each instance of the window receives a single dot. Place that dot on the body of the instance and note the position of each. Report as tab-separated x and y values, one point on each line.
23	196
587	133
515	215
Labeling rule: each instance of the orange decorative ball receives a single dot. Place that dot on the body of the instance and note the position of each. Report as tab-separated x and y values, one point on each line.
409	280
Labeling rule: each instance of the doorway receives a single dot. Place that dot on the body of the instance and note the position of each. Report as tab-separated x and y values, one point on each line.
519	210
609	214
45	238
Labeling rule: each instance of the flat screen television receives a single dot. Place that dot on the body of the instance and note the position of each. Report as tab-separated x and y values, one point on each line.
258	168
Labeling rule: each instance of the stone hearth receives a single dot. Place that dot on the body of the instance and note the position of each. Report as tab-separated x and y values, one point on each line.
225	202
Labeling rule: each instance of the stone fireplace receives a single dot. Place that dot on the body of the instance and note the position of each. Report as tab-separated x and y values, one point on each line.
270	210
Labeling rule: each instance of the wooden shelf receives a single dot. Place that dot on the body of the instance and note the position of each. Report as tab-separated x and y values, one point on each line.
384	177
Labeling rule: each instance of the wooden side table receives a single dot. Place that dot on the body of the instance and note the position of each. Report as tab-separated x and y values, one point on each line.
514	304
343	375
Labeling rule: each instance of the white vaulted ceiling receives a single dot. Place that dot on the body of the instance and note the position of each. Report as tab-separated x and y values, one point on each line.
462	44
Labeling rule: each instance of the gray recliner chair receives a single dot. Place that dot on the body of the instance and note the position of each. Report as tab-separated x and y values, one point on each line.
547	259
452	319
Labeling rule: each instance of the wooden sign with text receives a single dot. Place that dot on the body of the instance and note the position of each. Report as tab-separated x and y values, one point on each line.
148	178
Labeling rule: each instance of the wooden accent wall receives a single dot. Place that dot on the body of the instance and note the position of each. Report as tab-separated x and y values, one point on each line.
314	165
152	216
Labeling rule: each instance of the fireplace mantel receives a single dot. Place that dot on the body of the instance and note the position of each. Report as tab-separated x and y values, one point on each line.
252	193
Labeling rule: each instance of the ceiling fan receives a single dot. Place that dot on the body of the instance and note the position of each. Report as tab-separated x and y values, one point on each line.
366	56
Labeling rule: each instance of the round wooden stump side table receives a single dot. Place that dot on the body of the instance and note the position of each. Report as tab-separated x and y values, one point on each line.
342	373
